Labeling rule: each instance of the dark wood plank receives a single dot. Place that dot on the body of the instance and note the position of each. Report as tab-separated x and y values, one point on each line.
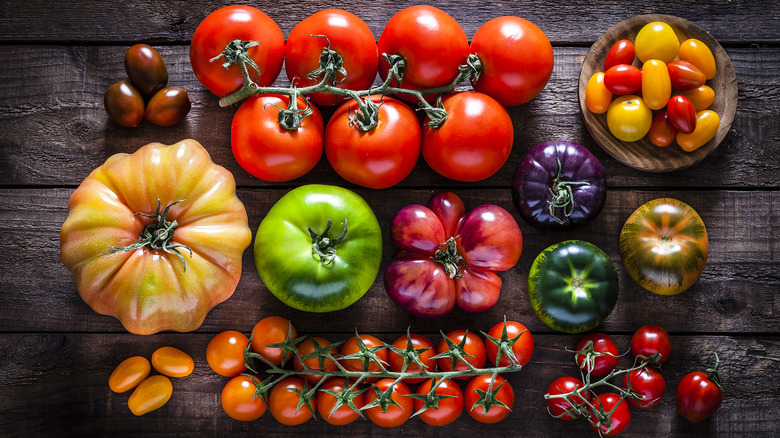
736	293
175	22
56	130
66	377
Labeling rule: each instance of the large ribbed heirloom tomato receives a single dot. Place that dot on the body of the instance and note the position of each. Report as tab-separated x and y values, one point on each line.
447	256
155	238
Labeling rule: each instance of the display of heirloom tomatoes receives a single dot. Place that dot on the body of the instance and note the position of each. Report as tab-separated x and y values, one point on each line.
155	238
449	256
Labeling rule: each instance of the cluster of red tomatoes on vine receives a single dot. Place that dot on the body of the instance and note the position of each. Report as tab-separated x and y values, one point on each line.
510	59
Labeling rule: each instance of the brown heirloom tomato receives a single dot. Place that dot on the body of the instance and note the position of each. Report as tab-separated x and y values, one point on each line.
146	69
664	246
124	104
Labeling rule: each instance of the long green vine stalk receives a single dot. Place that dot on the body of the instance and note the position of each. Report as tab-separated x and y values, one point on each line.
331	72
368	356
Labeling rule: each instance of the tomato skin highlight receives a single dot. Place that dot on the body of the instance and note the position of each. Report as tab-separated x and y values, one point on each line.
172	362
151	394
623	79
622	52
225	353
597	96
517	60
707	124
656	84
129	373
662	132
238	399
698	54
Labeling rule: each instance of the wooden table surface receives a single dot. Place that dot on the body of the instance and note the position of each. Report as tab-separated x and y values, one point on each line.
56	353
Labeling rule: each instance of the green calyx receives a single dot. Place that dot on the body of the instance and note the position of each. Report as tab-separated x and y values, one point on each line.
323	247
562	195
448	256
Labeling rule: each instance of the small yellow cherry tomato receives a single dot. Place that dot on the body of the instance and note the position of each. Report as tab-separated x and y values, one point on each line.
707	123
172	362
657	40
701	97
629	118
597	97
656	84
698	54
151	394
128	374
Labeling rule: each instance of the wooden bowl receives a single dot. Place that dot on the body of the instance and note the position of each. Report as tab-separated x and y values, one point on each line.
642	154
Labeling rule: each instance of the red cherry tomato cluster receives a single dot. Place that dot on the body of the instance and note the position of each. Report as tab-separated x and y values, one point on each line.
515	59
671	81
151	392
340	395
148	77
640	386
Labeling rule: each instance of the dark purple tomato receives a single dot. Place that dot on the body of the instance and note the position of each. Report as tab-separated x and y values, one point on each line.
124	104
559	184
168	106
146	69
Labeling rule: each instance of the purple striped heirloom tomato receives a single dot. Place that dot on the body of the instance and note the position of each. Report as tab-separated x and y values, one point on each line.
447	256
664	246
156	238
559	184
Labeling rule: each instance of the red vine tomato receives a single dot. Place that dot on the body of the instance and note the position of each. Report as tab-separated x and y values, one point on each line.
348	36
473	347
646	382
614	423
378	158
396	360
475	140
396	413
447	409
522	348
272	330
597	354
431	42
308	350
326	403
699	394
217	30
650	340
268	151
561	408
500	392
517	60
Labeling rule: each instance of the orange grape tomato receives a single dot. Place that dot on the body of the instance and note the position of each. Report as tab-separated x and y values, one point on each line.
707	123
701	97
172	362
656	84
597	97
151	394
128	374
698	54
657	40
662	132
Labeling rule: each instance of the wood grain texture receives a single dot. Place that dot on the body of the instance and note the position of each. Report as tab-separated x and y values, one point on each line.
56	130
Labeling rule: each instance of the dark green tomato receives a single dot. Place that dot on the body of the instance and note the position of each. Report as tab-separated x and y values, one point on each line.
320	277
573	286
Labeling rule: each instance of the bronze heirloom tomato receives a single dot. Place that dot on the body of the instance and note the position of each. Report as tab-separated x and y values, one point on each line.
573	286
447	256
156	238
664	246
319	247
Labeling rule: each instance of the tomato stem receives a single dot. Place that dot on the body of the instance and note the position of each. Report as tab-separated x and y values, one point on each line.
562	195
323	246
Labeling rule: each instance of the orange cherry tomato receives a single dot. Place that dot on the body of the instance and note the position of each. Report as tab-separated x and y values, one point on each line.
128	374
352	347
326	401
283	402
172	362
707	123
597	97
307	347
272	330
656	84
662	132
698	54
657	40
701	97
629	118
225	353
151	394
239	401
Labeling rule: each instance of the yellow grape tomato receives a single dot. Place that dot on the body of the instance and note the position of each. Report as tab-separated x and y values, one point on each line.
128	374
707	123
151	394
698	54
597	97
629	118
172	362
701	97
656	84
657	40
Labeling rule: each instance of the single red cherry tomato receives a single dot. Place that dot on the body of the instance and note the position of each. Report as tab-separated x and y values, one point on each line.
502	392
685	76
650	340
662	132
473	347
396	414
310	347
561	408
523	347
447	409
352	346
699	394
225	353
646	382
682	114
597	355
614	423
622	52
623	79
419	342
